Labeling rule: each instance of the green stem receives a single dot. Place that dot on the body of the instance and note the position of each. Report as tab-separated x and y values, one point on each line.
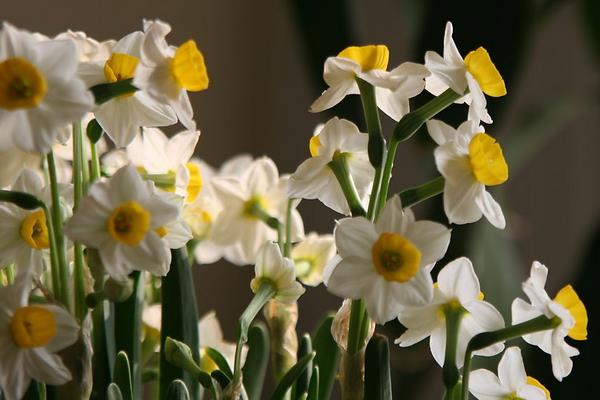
265	292
408	125
357	313
417	194
54	268
256	210
287	249
95	172
78	182
486	339
339	167
376	145
61	247
450	371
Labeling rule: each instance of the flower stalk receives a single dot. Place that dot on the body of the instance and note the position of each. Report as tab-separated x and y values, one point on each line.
78	183
453	315
339	167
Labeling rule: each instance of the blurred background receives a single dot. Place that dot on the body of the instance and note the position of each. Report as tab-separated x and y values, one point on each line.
265	61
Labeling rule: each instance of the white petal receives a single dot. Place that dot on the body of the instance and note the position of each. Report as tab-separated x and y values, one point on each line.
440	131
393	218
458	279
491	209
355	237
419	321
380	300
332	96
67	330
432	240
351	278
46	367
484	385
460	202
268	261
437	344
511	370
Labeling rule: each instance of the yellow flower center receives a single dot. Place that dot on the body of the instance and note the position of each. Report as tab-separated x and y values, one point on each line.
32	326
120	66
368	57
395	257
304	266
34	230
129	223
194	186
161	231
487	161
534	382
21	84
198	219
255	207
314	145
567	297
188	67
480	65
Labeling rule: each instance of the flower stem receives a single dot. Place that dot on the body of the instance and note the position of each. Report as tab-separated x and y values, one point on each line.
61	247
54	268
95	172
339	167
408	125
486	339
78	183
450	371
287	248
417	194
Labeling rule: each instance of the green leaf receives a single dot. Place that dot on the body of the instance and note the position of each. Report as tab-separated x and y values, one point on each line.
179	321
220	377
221	362
24	200
257	359
301	385
93	131
104	347
291	376
113	392
128	332
378	382
327	358
178	391
149	375
122	375
313	387
103	92
33	392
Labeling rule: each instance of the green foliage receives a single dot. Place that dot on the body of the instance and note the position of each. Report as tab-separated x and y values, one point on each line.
327	357
378	382
257	359
122	375
290	377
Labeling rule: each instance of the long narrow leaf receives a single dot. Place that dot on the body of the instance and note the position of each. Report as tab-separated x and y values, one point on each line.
177	391
221	362
378	382
122	375
290	377
301	385
257	360
327	358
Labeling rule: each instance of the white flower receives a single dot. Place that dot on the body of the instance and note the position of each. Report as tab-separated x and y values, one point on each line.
469	160
311	255
457	288
369	63
167	73
30	337
511	383
39	90
476	73
388	264
211	335
123	218
89	49
122	117
13	160
25	232
272	268
258	190
566	309
314	179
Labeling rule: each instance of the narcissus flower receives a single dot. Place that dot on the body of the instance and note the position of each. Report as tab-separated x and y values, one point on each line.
124	218
122	117
24	233
30	337
512	381
369	63
473	76
469	160
278	271
457	289
566	309
247	199
168	73
314	179
388	264
39	90
311	255
89	49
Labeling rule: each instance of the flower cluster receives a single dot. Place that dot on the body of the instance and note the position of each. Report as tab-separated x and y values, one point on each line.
97	234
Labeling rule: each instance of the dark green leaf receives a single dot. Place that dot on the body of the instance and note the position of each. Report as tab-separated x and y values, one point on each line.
94	131
21	199
313	387
301	385
327	358
177	391
290	377
378	382
179	321
220	377
257	360
221	362
122	375
149	375
113	392
103	92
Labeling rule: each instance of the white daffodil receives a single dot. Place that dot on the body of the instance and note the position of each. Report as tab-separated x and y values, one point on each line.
24	232
457	289
246	199
13	161
469	160
89	49
369	63
122	117
512	381
387	263
566	309
30	337
271	267
473	76
176	233
39	90
124	218
311	255
314	179
211	335
167	73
